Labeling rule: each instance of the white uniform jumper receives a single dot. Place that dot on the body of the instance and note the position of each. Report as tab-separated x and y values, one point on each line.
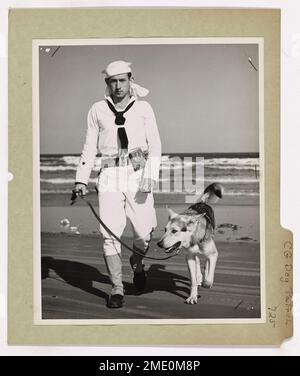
119	196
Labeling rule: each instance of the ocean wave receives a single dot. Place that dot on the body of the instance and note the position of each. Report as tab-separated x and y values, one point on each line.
233	161
70	160
57	168
224	180
167	162
221	164
55	192
209	167
227	180
50	158
237	180
232	167
51	168
241	193
63	181
213	161
226	193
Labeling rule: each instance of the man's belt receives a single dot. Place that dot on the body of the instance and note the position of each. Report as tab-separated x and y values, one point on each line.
137	158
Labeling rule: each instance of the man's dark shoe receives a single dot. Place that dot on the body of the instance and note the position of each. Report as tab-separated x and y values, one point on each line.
139	281
115	301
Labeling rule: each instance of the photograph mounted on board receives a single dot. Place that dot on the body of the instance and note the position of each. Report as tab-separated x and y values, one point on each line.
148	182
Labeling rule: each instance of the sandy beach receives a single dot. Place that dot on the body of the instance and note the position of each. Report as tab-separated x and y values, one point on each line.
75	283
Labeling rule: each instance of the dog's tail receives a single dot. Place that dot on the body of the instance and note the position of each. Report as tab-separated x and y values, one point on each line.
212	193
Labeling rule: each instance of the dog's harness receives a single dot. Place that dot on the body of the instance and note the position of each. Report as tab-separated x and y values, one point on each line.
206	210
136	250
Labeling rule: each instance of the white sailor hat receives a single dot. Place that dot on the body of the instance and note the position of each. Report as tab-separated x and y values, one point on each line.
117	67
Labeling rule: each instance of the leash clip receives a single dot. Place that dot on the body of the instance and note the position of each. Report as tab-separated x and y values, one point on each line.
74	196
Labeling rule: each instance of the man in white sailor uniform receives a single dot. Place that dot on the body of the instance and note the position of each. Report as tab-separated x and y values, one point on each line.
123	129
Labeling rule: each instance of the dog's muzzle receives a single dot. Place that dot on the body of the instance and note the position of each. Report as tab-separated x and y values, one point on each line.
170	249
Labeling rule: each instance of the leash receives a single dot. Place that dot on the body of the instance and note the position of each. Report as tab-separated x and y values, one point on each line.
136	250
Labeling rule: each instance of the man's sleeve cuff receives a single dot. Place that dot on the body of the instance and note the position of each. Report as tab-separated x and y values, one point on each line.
79	182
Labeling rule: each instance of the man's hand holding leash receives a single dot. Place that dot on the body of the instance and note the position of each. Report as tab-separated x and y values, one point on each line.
79	189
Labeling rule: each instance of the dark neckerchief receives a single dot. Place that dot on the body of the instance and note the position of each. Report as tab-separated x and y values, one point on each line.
120	120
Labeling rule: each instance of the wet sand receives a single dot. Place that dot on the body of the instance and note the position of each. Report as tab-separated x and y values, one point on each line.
75	284
237	219
63	199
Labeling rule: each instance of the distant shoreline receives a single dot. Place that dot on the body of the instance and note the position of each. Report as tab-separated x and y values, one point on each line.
63	199
235	223
204	155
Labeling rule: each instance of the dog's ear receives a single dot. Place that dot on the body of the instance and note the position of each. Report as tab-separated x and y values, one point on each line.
172	214
194	219
199	216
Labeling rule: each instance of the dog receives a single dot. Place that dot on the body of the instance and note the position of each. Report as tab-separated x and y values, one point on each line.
192	230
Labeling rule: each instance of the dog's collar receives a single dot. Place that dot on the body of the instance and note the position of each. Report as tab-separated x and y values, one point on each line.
206	210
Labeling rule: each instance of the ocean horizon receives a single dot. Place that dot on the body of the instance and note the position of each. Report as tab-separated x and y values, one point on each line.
189	154
185	173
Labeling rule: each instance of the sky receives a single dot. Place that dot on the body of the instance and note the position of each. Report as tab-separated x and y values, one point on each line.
205	96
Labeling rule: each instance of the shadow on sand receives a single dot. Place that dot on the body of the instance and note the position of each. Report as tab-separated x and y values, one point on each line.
161	280
83	276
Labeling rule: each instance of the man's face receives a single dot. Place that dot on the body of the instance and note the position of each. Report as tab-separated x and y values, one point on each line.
119	85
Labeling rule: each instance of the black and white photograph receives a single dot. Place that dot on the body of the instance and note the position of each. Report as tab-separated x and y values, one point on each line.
148	180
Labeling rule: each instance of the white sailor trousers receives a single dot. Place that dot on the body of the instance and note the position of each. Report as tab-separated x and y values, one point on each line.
119	199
